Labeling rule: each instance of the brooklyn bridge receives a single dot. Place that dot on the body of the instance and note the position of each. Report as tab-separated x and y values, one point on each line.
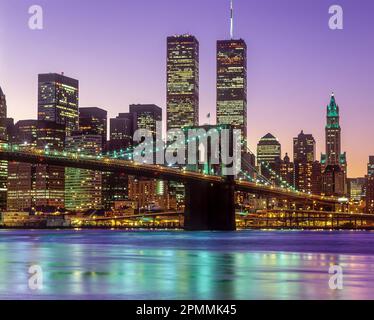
209	198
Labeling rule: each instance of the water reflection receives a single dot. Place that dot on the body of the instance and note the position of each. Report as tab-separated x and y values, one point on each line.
179	265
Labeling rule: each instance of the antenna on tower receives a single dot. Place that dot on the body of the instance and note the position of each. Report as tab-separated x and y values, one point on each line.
232	19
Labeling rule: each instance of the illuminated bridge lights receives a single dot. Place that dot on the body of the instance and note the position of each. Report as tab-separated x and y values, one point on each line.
9	152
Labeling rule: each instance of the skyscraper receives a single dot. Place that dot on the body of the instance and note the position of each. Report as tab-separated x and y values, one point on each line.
143	190
304	157
3	105
121	132
145	116
304	176
356	188
115	186
83	188
58	100
317	178
333	181
333	154
26	133
122	128
232	81
269	157
36	185
232	84
287	172
6	136
182	81
268	149
50	180
371	166
370	186
22	176
333	157
304	148
94	121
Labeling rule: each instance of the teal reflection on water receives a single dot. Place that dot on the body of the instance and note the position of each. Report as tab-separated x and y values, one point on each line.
180	265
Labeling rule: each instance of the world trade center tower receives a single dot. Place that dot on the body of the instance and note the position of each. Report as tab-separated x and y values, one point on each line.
232	85
182	81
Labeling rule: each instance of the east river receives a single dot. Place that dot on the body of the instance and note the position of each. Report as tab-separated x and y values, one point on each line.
117	264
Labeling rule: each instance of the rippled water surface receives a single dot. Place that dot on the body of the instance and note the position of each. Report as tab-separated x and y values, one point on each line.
112	264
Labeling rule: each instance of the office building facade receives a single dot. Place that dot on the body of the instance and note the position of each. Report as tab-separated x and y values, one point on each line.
182	81
232	85
83	188
94	121
58	100
370	186
334	157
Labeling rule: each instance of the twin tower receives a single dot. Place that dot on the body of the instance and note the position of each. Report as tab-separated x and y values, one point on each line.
183	83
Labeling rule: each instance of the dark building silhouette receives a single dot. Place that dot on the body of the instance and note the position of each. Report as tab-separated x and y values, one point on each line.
7	130
3	105
145	191
317	178
22	176
94	121
5	137
333	182
26	133
370	186
50	180
3	117
371	166
42	187
304	149
121	132
182	99
287	172
140	116
122	128
115	186
145	116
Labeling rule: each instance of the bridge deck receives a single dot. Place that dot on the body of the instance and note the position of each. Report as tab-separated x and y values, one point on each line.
106	164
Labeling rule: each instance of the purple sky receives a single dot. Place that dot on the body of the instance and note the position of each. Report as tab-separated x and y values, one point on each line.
117	50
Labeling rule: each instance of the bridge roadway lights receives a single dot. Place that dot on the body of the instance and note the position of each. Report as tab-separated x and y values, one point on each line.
210	206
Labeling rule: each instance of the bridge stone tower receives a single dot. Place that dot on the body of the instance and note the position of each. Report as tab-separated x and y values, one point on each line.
210	206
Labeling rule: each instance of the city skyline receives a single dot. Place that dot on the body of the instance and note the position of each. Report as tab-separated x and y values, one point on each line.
198	151
263	107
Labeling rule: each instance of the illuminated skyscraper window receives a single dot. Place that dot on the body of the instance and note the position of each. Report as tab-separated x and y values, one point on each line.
370	186
3	107
334	159
145	116
83	188
21	176
50	179
232	84
93	121
182	81
58	100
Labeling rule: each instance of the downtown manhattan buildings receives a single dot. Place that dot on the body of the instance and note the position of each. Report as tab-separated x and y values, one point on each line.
62	125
